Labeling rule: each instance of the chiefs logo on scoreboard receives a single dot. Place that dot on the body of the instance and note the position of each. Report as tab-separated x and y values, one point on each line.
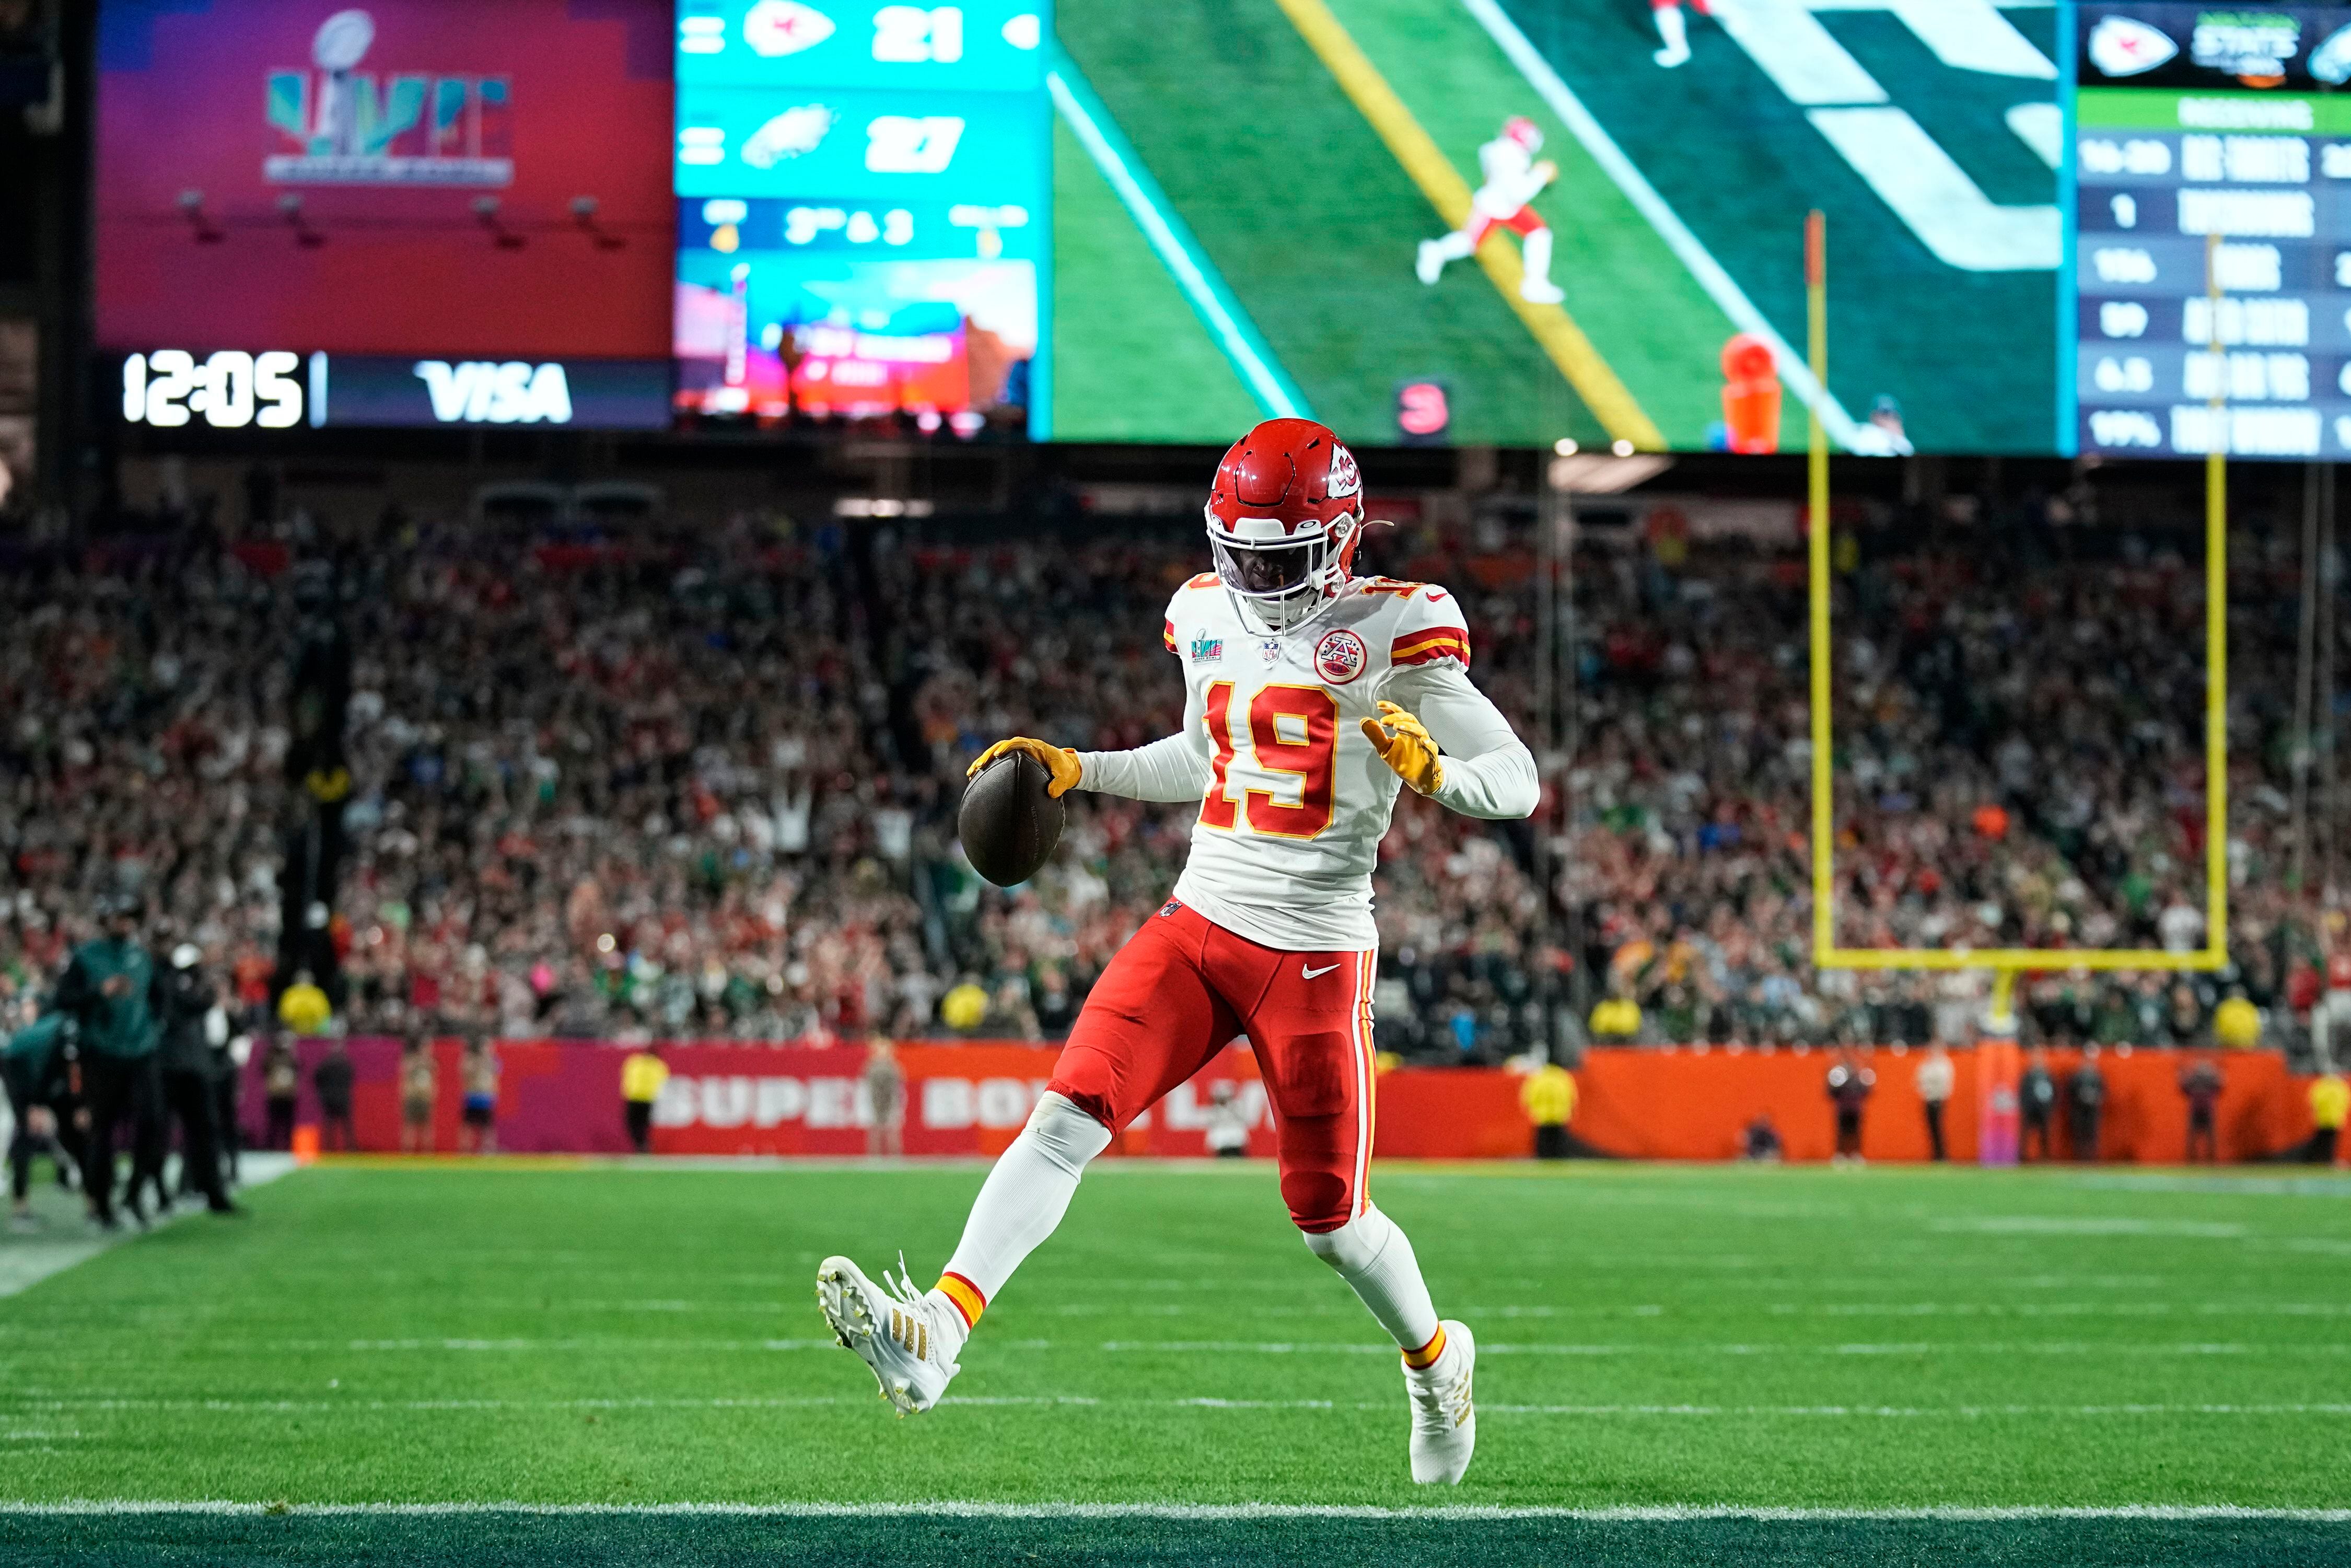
1340	657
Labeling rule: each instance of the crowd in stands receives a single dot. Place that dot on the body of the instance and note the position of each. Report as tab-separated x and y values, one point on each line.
702	786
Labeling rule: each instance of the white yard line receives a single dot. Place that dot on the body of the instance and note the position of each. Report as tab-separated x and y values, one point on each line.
1655	1514
100	1404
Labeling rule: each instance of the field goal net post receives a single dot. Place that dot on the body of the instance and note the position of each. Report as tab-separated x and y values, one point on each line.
2006	963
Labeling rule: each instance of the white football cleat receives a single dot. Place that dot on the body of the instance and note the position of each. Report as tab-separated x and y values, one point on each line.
1429	263
1540	291
1670	58
896	1330
1444	1417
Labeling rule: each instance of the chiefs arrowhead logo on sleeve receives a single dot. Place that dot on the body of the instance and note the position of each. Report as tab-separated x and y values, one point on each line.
1345	479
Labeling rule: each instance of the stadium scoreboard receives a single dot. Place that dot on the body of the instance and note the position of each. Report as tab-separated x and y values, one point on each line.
2207	302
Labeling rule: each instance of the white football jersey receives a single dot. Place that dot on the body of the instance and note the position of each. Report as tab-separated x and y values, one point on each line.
1511	180
1293	799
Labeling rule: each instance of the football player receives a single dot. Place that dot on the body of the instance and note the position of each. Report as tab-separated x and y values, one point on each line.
1673	31
1312	697
1512	176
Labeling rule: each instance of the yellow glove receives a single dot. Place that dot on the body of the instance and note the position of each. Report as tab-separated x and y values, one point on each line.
1404	744
1061	764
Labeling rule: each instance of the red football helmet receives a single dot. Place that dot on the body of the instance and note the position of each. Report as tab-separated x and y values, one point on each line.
1523	131
1285	515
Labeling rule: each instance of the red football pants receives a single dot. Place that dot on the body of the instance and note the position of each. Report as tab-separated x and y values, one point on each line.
1181	990
1522	222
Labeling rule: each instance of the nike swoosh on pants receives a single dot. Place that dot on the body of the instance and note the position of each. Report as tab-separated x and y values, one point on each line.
1311	974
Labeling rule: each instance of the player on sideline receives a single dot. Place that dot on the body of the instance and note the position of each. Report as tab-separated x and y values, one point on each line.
1311	697
1512	179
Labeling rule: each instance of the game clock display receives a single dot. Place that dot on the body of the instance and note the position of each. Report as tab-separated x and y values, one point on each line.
2209	294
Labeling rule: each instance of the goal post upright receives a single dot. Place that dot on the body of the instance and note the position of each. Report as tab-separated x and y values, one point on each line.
2007	963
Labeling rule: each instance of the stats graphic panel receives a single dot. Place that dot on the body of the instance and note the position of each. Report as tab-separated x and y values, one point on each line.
863	211
2210	302
450	181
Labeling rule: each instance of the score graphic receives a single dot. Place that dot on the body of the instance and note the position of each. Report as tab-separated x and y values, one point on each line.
862	201
2209	301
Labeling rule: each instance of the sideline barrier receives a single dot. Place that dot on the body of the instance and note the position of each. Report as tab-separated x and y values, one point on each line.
564	1097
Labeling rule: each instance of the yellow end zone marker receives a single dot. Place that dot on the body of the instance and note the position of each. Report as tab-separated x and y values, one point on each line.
1610	402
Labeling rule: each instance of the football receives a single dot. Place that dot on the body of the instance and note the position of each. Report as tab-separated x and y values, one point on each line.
1008	824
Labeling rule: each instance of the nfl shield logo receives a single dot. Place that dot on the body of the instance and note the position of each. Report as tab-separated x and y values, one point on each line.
1340	657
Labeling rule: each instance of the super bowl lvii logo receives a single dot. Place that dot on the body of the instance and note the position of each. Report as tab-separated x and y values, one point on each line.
352	127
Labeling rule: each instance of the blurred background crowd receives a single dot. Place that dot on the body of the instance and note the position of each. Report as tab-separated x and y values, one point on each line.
702	785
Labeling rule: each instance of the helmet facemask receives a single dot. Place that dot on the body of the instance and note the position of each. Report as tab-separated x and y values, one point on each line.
1284	580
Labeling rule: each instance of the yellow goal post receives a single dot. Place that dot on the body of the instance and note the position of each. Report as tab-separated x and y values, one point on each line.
2006	963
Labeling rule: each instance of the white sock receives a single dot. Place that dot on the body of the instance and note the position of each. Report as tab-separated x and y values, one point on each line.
1535	256
1373	1255
1455	246
1672	29
1024	1196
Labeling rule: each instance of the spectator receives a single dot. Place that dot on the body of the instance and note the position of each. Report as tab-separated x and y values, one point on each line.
1849	1086
642	1074
420	1086
303	1007
1616	1019
2036	1101
885	1093
1228	1126
1935	1080
2330	1099
1548	1097
2085	1104
1760	1141
281	1090
2200	1084
2236	1023
478	1071
332	1080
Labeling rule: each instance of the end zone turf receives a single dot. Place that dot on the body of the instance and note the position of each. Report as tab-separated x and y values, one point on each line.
1720	1345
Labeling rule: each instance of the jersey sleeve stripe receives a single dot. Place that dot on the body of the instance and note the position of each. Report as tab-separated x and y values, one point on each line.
1167	635
1421	647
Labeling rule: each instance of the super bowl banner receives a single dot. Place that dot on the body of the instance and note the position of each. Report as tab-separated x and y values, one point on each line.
1691	1103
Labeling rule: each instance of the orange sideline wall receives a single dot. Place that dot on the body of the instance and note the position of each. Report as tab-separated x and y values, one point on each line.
725	1098
1683	1104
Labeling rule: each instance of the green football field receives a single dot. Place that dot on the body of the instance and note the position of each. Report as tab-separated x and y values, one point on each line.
535	1362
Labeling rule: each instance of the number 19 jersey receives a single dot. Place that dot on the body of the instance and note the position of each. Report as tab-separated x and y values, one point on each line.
1296	802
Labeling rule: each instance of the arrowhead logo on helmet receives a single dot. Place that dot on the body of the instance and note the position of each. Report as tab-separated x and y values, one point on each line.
1284	515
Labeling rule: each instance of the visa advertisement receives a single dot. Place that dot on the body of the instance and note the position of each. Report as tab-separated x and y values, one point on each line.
864	212
430	180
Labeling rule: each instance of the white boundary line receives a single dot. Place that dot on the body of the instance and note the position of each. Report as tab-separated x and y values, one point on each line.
1238	338
1663	1514
1720	286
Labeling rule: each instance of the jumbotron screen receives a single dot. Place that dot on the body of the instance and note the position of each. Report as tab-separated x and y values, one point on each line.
1495	222
1489	221
412	211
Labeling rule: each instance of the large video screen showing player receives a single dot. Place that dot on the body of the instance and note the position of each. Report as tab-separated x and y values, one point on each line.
1513	220
441	180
